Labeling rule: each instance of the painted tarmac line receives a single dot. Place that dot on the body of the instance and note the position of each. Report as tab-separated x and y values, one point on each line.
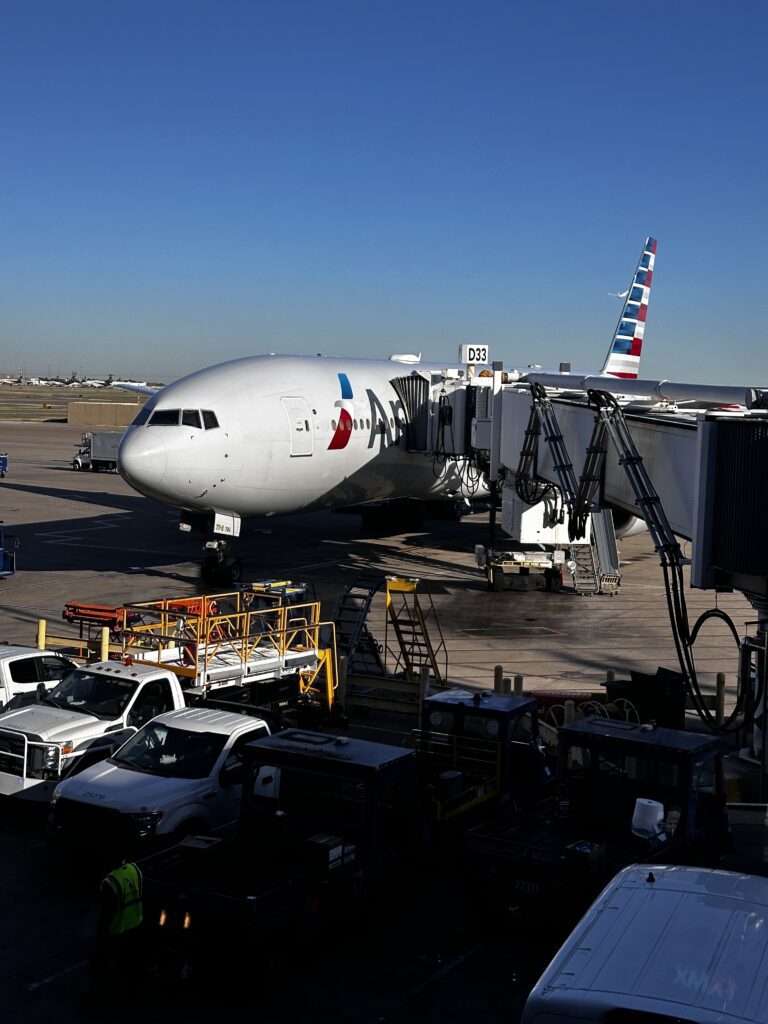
55	977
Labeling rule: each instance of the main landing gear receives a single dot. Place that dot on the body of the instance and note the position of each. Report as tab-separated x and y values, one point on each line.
219	568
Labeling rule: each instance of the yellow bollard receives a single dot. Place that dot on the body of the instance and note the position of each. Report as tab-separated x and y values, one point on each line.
41	634
104	656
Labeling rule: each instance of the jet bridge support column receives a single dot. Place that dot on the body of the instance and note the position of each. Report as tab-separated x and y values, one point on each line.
493	472
753	678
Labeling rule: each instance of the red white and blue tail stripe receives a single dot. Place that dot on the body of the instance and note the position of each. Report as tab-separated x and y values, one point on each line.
624	354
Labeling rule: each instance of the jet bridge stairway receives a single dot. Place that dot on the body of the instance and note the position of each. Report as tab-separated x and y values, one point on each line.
585	572
594	565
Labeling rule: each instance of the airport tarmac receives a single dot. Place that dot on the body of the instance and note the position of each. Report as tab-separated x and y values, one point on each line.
87	536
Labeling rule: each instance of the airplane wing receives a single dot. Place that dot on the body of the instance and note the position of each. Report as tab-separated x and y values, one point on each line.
138	388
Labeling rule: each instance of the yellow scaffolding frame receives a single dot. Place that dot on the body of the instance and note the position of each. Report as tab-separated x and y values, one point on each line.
186	635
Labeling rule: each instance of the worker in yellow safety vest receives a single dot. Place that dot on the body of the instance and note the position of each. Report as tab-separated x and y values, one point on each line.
121	900
115	959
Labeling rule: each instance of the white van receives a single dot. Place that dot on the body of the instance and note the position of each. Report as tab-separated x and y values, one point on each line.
671	945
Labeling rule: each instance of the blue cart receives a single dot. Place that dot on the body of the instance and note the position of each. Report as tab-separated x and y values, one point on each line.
3	463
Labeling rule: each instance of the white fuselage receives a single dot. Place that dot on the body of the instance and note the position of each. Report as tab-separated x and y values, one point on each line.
288	434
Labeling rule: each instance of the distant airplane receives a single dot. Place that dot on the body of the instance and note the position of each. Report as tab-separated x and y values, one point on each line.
271	434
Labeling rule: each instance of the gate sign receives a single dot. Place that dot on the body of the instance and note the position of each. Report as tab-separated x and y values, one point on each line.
473	354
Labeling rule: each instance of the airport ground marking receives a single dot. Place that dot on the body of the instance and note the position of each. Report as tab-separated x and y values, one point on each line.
56	975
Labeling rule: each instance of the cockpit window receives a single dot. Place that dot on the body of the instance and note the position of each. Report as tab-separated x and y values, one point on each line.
190	418
209	419
165	418
141	417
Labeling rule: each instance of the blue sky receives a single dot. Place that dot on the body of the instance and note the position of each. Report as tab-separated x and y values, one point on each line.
187	182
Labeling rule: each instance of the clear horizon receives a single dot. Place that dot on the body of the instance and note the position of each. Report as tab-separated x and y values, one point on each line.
186	183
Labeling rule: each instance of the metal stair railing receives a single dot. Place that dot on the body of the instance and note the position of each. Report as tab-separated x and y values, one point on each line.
353	637
409	622
586	576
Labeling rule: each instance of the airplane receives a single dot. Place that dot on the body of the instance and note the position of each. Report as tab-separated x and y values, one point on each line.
273	434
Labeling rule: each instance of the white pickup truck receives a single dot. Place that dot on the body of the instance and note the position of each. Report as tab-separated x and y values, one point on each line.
180	774
23	669
86	716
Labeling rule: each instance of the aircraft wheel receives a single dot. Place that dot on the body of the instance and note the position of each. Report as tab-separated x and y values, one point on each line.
232	571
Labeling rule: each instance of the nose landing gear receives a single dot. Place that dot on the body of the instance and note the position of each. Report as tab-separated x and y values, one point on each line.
219	567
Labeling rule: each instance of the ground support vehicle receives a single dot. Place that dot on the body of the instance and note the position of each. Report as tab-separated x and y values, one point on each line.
518	568
8	544
83	719
180	773
660	944
245	647
24	669
349	821
478	749
626	793
98	450
3	464
340	817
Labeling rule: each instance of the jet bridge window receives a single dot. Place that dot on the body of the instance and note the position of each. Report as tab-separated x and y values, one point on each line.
165	418
190	418
209	419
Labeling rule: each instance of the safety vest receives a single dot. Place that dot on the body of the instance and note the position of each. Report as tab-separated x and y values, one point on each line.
125	883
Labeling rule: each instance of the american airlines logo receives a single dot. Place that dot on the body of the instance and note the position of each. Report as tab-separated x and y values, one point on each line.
384	425
343	430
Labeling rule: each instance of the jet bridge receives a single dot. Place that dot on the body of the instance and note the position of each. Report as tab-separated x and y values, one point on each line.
696	473
693	474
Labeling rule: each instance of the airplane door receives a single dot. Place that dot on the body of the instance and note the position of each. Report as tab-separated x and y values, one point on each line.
299	418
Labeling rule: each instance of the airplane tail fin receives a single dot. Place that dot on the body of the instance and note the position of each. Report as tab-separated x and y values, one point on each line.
623	359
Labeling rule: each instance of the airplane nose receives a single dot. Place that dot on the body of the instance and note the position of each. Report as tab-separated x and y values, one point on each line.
142	459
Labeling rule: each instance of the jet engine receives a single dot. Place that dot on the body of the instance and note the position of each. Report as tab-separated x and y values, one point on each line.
625	524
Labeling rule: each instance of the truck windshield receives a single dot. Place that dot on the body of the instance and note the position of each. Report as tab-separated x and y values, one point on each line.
160	749
101	696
